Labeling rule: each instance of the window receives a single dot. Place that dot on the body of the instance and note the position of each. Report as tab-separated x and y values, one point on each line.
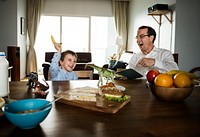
75	33
80	34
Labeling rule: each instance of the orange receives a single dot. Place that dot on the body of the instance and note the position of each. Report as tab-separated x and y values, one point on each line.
163	80
181	80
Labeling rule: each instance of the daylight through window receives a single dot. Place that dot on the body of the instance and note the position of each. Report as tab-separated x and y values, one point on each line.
80	34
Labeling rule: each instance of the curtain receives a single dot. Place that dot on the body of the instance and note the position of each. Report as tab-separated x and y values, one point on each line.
120	12
34	11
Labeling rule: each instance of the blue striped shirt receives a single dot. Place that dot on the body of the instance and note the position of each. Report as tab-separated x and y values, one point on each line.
57	73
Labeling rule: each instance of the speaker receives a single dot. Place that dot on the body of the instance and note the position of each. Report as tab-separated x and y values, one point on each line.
157	7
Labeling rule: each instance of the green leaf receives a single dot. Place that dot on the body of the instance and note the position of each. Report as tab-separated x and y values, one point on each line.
121	99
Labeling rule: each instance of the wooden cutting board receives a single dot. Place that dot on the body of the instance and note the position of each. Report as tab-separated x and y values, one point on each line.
101	105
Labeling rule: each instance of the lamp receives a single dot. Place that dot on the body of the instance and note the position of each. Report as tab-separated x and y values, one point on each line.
119	43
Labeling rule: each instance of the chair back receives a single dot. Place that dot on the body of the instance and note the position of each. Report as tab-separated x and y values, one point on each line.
175	55
196	71
48	56
83	57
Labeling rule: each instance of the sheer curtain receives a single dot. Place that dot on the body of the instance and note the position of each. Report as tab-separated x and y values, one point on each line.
34	10
120	12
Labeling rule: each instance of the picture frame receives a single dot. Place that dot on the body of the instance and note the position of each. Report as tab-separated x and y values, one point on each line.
22	25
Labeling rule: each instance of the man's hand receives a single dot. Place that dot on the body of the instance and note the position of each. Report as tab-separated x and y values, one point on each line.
146	62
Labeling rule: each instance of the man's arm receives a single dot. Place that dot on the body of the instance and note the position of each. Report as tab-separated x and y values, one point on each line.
166	62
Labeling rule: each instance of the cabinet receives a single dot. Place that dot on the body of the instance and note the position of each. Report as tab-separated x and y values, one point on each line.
14	62
166	13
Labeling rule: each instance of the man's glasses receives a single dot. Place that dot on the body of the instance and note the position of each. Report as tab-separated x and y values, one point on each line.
141	36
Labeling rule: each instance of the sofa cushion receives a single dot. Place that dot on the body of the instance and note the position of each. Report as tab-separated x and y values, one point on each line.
126	56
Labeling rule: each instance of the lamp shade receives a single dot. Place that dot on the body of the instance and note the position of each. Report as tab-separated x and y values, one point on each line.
119	41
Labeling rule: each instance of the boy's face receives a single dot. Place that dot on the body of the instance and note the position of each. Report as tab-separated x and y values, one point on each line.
68	63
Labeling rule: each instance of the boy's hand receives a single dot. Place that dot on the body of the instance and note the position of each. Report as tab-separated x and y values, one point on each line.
58	47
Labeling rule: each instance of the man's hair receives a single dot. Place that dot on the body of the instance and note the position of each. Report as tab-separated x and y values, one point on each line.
150	31
64	53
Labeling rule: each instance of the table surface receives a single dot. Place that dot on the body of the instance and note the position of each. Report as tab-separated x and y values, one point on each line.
143	116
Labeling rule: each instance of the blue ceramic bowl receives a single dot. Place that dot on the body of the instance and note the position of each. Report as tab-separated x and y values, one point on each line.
26	120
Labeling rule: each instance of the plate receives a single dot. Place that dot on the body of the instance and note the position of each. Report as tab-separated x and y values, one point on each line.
119	87
2	102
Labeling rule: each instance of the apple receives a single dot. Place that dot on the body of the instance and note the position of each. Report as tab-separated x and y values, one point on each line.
151	75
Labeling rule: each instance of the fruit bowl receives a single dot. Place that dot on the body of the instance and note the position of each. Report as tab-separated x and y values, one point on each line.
170	94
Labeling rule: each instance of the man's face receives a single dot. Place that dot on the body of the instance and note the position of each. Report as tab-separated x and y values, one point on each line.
144	41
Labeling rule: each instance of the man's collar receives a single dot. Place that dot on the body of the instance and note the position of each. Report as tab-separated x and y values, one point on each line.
155	49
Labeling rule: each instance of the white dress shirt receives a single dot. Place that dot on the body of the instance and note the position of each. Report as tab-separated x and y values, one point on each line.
164	61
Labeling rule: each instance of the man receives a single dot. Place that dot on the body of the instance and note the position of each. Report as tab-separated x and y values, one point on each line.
151	57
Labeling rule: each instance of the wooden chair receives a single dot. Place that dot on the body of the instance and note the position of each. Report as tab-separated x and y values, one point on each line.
84	74
175	55
196	71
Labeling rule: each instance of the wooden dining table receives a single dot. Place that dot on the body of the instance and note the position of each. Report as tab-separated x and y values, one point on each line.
143	116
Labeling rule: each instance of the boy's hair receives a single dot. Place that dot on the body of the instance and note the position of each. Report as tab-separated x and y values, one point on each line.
64	53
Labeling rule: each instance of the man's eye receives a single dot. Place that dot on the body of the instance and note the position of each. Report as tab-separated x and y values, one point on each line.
141	36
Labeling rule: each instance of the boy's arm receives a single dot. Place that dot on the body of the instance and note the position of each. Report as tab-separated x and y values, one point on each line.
58	47
54	66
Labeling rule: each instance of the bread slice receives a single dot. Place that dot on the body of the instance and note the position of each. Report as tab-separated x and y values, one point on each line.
110	90
82	93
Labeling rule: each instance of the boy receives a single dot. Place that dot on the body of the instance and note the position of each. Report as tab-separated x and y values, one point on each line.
62	64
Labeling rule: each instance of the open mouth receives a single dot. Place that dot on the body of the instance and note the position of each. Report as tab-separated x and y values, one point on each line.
140	44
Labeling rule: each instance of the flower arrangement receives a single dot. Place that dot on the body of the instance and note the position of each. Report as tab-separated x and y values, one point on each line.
113	57
112	60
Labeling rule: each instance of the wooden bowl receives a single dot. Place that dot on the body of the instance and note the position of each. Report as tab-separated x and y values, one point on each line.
170	94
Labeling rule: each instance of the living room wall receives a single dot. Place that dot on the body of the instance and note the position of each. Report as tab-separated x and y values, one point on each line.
138	16
184	30
8	25
10	13
187	33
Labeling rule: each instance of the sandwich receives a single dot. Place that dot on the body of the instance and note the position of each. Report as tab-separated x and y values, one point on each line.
111	92
82	94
